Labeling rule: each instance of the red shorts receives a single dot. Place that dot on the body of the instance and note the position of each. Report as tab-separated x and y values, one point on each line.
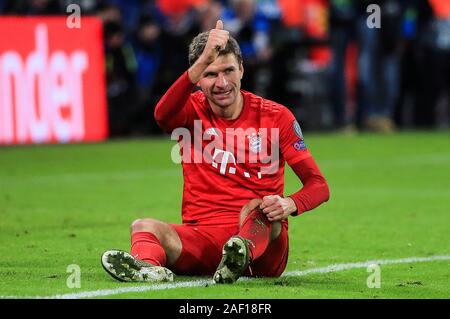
202	251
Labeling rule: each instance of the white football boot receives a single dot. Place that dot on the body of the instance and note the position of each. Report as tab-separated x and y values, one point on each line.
235	259
124	267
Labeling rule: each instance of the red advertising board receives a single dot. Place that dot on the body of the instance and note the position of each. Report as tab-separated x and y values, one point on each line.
52	82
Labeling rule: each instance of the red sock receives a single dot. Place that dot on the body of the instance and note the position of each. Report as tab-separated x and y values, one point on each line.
146	246
256	228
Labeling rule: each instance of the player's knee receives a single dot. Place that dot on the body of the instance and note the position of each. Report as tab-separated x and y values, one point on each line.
146	225
248	208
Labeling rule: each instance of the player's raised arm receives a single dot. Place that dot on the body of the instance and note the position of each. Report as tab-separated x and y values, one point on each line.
172	109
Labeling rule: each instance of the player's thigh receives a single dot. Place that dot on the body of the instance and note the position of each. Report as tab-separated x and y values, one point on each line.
201	248
273	262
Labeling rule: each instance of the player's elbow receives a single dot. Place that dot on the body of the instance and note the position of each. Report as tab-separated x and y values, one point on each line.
326	191
322	188
157	114
161	119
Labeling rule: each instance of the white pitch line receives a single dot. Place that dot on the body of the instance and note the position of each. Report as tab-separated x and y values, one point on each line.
205	282
365	264
108	292
115	291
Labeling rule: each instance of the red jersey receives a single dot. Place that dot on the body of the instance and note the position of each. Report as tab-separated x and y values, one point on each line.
218	184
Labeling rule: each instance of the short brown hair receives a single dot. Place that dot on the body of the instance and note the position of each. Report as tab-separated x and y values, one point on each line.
199	42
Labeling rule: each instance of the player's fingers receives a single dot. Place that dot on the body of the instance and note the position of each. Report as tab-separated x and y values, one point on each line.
276	198
225	38
275	212
266	203
219	25
271	208
220	40
275	215
269	198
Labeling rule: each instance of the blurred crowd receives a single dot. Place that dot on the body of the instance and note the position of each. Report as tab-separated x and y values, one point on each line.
320	58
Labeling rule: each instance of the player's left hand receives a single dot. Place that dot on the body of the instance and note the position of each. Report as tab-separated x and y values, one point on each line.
277	208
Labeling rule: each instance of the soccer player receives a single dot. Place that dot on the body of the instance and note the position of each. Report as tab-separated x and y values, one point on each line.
235	217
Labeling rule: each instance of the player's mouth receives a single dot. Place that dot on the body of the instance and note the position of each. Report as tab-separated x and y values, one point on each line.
222	94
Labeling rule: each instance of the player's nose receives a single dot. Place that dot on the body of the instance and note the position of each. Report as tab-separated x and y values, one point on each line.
221	81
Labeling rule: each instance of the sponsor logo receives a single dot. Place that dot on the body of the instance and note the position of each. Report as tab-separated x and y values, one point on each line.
224	158
51	81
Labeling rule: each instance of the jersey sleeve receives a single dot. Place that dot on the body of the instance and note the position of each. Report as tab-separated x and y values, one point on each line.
292	144
315	189
175	107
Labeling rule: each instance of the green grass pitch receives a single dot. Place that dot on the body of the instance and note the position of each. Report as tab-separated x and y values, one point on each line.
390	199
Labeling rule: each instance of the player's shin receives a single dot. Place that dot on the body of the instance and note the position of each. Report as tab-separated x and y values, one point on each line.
146	246
256	229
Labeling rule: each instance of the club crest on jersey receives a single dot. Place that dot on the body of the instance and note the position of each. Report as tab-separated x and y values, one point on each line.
297	129
254	143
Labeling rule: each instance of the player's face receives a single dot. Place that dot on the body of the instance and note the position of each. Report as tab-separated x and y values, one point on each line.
221	81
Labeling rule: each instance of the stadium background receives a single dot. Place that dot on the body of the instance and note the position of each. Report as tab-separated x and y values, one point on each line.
317	57
373	105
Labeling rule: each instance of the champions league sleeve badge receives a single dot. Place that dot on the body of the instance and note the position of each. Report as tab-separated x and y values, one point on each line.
297	129
300	144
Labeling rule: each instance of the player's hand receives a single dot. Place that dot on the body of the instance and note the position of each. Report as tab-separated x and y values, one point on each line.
277	208
217	40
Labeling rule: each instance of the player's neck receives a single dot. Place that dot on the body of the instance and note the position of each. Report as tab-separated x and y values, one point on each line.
231	112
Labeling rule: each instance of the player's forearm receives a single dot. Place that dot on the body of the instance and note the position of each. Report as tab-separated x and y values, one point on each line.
312	194
170	111
196	70
315	189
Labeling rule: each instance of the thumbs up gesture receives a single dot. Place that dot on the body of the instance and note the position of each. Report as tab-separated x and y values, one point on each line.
217	40
219	25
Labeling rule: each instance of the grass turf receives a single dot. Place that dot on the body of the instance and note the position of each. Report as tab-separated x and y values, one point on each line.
390	199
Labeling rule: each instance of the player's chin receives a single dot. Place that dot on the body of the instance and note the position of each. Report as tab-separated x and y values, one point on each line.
224	100
223	104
